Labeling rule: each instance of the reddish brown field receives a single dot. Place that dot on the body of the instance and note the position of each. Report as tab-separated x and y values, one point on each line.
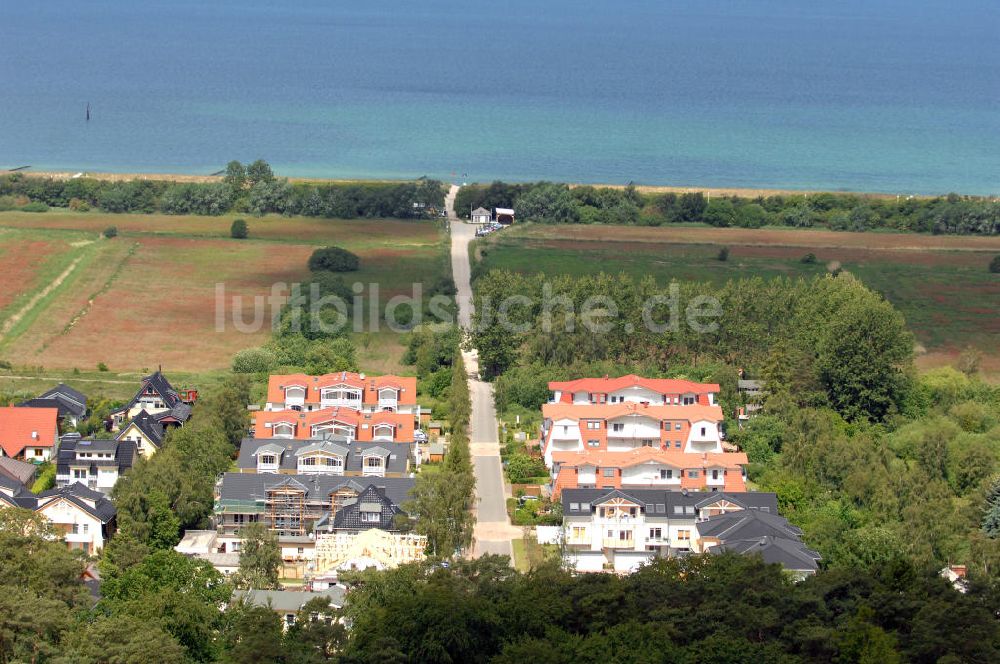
22	259
148	297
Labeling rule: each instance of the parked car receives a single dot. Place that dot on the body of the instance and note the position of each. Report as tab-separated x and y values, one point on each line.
420	436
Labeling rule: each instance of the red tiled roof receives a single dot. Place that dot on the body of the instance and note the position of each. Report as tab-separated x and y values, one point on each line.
18	424
640	455
659	385
304	421
692	413
369	385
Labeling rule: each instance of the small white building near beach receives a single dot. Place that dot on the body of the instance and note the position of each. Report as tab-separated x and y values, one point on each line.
481	216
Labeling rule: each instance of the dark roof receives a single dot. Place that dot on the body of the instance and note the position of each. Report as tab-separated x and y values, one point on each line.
747	524
159	382
789	553
149	425
396	455
665	503
94	503
288	600
74	400
371	501
17	470
180	412
125	453
242	487
40	402
16	487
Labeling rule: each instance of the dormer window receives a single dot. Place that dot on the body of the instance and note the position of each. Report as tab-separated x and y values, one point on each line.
283	430
383	432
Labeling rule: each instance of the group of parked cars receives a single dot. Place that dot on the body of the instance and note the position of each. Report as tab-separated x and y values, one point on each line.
486	229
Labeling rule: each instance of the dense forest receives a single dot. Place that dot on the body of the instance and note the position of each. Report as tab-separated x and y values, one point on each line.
546	202
251	189
876	463
161	606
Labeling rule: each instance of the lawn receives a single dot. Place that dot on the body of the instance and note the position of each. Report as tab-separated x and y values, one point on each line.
149	296
940	283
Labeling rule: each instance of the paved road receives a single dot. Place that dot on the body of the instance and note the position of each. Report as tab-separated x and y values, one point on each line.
493	531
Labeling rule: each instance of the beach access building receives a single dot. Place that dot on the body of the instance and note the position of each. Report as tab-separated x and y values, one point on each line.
481	216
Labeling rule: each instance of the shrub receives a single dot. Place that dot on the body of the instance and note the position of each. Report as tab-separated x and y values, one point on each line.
995	265
79	205
333	259
35	207
723	254
239	230
111	231
4	364
101	366
7	203
46	478
253	360
521	468
809	258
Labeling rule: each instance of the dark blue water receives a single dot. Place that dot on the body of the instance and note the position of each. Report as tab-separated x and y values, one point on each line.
886	95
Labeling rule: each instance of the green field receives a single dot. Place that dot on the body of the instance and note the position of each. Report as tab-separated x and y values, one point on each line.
947	295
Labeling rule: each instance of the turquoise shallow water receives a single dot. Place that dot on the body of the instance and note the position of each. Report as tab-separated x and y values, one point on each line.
884	95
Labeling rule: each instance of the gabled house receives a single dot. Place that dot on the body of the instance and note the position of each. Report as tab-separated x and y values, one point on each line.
145	431
370	509
620	529
84	519
289	603
329	456
766	534
649	467
95	463
156	396
29	434
633	389
71	404
481	216
625	426
344	390
294	505
19	471
346	423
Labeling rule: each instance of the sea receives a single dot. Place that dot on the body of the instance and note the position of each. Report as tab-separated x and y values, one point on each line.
896	96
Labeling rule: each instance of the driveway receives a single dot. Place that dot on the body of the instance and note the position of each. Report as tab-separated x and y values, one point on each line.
493	532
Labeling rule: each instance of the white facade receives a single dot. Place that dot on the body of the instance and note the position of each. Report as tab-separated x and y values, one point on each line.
80	529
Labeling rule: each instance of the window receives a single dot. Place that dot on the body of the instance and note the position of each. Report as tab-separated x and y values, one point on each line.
647	443
677	426
693	474
373	462
79	474
684	535
618	426
333	462
267	459
677	444
689	401
609	472
666	474
371	517
308	461
678	509
593	443
289	619
661	508
593	424
86	527
578	533
655	533
38	452
689	509
76	529
239	518
574	507
703	431
715	474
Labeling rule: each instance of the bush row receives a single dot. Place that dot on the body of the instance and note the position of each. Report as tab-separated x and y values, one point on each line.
555	203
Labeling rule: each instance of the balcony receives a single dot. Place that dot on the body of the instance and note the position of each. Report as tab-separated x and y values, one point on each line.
354	404
616	543
388	404
373	472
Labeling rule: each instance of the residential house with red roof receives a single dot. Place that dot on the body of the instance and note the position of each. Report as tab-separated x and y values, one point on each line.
633	432
633	389
353	425
29	434
343	389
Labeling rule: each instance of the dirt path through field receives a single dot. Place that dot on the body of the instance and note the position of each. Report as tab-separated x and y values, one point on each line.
23	311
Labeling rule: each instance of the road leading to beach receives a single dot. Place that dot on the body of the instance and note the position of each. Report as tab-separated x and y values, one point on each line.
493	532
